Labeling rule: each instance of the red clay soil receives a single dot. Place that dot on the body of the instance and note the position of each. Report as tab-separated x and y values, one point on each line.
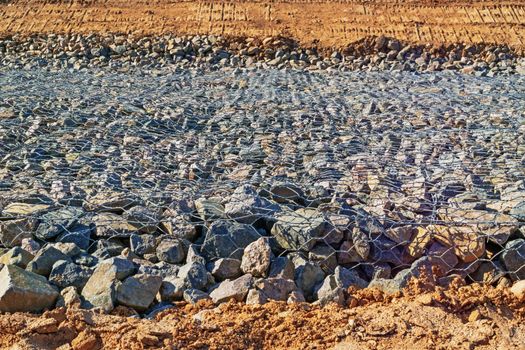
470	317
326	23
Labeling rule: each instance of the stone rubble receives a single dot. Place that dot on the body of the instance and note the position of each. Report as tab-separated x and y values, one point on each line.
204	175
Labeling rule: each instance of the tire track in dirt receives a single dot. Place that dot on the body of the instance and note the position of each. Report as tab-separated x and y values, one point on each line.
328	23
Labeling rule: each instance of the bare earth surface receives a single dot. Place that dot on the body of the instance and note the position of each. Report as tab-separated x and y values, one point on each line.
470	317
325	22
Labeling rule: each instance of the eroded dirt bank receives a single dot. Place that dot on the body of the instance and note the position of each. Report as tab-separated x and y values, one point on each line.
459	318
326	23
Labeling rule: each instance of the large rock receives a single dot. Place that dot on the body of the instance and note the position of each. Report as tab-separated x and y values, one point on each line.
190	276
282	267
110	202
274	288
109	225
209	209
401	234
225	268
16	256
287	193
419	268
43	262
79	234
193	296
12	232
513	257
246	206
256	258
226	239
100	289
24	291
348	277
232	290
330	291
65	274
138	291
142	244
300	229
307	276
55	222
496	226
24	209
468	244
144	219
171	251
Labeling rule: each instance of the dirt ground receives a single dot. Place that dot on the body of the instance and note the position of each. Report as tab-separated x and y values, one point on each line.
462	317
326	23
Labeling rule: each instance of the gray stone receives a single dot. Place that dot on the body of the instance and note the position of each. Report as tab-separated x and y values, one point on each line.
513	258
78	234
330	292
209	209
225	268
324	256
296	296
256	258
275	288
307	277
172	288
12	232
226	239
193	255
401	234
518	211
16	256
138	291
105	201
109	225
193	296
171	251
299	229
43	262
400	281
144	219
142	244
69	249
282	267
189	276
232	289
24	291
107	248
55	222
69	298
65	273
346	278
255	297
195	275
246	206
442	257
100	289
286	193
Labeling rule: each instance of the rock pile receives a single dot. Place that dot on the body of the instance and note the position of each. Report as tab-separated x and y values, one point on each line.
254	185
116	51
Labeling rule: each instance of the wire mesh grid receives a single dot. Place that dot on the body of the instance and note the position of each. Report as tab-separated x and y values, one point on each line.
374	173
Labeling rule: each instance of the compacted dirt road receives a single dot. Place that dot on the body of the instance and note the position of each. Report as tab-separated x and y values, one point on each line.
321	22
470	317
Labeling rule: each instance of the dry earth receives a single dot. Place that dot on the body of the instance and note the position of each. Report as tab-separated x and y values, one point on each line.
471	317
324	22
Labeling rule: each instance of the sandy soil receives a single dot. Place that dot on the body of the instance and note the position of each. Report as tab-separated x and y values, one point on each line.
327	23
471	317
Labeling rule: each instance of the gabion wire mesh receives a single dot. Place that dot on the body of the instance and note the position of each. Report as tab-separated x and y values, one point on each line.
371	171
